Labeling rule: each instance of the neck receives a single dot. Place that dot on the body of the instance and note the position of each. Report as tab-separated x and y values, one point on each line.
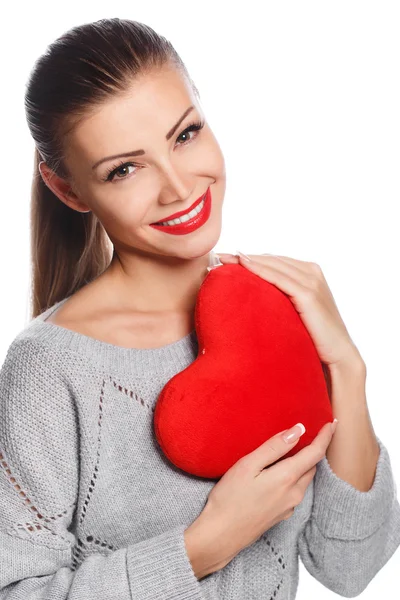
156	286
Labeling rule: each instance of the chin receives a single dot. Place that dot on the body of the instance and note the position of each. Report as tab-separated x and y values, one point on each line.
200	245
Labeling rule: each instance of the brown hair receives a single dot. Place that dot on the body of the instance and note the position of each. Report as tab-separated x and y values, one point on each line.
80	70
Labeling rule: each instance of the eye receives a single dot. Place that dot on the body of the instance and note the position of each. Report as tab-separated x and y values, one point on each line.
115	169
192	127
195	127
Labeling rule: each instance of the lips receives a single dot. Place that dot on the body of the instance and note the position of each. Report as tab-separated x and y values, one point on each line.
182	212
192	224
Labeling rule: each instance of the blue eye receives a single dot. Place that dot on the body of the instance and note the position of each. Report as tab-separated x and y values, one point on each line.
118	167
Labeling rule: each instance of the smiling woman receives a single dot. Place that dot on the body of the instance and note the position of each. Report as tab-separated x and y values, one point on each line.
90	507
114	166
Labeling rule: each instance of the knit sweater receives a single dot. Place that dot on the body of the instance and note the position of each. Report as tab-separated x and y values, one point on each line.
90	507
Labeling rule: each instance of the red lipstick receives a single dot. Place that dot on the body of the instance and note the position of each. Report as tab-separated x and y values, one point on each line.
182	212
193	223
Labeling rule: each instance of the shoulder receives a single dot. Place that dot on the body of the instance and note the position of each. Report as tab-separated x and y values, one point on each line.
28	357
37	406
34	388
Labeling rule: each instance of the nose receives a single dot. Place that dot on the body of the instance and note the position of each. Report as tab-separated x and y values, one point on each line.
176	186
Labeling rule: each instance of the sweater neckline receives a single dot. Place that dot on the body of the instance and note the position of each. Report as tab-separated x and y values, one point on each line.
111	354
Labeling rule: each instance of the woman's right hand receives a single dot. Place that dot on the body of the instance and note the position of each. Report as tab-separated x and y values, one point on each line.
255	494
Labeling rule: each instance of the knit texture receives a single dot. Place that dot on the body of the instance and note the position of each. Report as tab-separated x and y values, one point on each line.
90	508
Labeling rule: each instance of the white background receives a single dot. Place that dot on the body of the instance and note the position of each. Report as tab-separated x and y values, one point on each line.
304	99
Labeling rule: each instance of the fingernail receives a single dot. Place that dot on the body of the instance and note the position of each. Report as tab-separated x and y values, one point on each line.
214	261
294	433
244	256
333	425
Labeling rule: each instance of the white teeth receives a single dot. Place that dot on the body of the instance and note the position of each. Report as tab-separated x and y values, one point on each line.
186	217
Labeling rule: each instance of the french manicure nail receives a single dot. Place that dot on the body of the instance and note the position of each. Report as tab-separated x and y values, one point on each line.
213	261
333	425
244	256
294	433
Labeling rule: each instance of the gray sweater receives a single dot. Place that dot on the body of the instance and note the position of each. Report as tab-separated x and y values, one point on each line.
90	508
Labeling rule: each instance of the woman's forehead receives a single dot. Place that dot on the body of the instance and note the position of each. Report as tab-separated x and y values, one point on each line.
149	113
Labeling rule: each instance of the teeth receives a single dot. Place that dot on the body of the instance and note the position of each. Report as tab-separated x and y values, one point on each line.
186	217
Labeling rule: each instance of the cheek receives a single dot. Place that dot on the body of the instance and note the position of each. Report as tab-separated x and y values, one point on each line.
120	212
129	214
212	160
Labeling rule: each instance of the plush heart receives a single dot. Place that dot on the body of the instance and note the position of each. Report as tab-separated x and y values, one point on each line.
257	372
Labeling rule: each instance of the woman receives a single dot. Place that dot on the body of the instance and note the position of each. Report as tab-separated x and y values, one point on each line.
89	505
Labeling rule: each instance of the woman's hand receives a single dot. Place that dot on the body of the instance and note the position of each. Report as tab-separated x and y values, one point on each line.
257	492
304	283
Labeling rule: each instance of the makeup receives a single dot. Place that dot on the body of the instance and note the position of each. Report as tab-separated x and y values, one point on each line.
193	223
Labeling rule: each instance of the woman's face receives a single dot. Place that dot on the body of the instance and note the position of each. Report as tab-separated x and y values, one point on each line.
175	169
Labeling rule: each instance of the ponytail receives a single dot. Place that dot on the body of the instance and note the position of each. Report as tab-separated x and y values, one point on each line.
82	69
68	248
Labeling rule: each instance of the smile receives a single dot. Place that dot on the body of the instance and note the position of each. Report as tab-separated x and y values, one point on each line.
183	216
187	221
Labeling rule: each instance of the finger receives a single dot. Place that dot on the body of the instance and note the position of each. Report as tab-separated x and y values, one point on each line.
228	258
269	452
288	514
291	267
310	455
288	279
306	479
303	265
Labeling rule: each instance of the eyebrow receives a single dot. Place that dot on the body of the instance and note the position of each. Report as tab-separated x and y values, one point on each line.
141	151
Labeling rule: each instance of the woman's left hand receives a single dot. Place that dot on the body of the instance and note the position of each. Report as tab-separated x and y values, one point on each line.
304	283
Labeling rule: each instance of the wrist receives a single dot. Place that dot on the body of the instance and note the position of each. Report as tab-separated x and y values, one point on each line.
352	365
205	546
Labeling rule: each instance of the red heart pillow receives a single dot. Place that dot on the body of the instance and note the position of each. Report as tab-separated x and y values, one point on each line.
257	373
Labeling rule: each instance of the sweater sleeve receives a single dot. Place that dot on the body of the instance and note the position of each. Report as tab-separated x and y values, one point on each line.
39	470
351	534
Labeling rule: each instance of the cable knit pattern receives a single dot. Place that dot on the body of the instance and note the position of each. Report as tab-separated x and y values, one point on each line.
90	508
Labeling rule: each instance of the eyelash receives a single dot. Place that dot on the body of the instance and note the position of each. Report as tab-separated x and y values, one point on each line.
195	126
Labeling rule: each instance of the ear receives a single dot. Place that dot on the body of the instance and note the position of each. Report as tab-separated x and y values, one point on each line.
61	188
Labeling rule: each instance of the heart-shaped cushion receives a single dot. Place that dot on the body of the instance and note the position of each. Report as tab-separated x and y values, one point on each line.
257	373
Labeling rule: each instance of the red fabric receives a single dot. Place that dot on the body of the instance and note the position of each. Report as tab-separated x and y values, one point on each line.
257	373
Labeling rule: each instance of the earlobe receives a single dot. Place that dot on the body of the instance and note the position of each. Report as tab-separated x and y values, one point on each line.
75	204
